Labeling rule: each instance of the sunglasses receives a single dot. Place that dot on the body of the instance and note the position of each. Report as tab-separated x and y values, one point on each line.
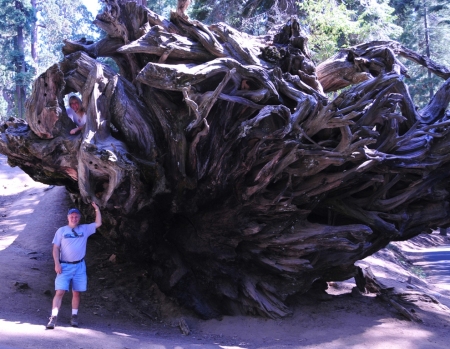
74	232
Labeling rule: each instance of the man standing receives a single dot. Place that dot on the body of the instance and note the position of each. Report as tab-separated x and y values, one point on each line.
69	249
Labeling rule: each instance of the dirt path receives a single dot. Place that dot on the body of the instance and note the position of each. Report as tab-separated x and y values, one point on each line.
112	317
436	263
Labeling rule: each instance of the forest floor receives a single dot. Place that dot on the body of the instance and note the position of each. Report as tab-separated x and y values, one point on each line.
124	309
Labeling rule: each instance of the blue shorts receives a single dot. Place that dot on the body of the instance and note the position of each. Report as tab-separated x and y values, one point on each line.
72	272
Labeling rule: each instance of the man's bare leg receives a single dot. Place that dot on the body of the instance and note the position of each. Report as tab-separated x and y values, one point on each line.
56	304
75	304
57	300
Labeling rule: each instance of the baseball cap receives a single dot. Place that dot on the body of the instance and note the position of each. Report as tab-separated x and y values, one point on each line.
73	210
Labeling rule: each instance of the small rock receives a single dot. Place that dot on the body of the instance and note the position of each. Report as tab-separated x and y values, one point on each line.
47	292
21	285
184	327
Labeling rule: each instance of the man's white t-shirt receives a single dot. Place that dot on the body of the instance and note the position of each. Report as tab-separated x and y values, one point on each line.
73	247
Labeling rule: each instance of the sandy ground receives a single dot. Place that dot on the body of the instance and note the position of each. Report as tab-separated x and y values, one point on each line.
124	309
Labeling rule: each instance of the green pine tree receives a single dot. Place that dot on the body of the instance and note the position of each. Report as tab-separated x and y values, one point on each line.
16	18
426	30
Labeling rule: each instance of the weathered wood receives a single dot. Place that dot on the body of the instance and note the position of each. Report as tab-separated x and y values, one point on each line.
157	42
366	61
220	163
367	282
43	108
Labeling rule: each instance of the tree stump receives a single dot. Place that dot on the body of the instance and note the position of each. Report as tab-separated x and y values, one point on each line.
221	165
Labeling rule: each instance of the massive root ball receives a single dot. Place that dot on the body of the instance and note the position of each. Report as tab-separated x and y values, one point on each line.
221	165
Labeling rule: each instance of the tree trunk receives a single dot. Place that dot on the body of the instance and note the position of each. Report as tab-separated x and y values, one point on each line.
427	43
8	97
34	35
20	69
221	165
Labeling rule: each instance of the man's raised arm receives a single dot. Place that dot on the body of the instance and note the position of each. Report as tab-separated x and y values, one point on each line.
98	215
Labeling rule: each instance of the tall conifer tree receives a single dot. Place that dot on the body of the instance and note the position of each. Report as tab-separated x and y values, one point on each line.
426	27
15	24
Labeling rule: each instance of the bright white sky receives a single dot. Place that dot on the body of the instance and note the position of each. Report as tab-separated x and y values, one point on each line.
92	5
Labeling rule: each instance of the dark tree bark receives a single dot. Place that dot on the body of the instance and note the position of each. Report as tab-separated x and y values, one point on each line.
34	34
19	63
221	165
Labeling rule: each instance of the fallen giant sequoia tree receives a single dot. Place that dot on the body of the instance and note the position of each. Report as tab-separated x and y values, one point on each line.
222	166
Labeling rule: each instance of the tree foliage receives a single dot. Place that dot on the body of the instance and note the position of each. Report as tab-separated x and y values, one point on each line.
376	20
333	23
329	25
16	18
430	39
162	7
59	20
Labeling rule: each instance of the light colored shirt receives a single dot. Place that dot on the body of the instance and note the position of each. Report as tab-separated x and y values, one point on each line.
78	120
73	247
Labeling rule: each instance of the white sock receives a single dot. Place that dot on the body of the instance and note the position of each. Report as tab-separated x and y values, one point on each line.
55	312
74	311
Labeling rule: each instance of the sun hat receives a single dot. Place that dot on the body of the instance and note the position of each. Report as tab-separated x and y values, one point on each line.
73	210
